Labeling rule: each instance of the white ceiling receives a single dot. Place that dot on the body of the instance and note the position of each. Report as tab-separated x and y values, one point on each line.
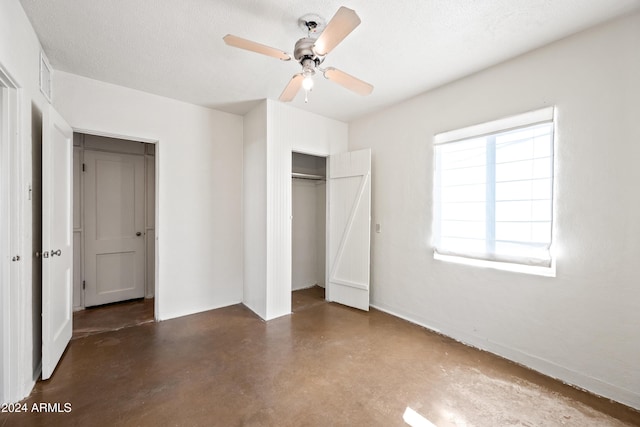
174	48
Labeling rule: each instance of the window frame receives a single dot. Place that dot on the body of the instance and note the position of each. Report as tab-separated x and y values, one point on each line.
492	129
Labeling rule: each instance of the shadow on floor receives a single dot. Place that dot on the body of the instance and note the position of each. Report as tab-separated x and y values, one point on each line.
306	298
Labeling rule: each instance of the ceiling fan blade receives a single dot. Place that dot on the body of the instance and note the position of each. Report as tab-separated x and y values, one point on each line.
292	88
241	43
343	22
348	81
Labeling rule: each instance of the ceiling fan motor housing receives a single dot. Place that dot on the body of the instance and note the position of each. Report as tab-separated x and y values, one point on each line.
303	52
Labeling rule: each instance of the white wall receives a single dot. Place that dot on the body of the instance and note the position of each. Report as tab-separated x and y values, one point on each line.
304	235
199	186
20	57
255	210
581	326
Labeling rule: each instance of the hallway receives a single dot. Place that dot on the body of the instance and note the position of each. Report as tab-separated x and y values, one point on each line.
324	365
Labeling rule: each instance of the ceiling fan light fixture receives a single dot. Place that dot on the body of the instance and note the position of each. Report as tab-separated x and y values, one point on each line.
307	83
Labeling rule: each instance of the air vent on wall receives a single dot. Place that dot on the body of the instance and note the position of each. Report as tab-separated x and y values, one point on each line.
45	76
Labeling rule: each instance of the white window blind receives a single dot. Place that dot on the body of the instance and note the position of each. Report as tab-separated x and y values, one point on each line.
493	190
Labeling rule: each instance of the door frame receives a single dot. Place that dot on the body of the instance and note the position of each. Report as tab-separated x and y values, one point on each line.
14	367
157	145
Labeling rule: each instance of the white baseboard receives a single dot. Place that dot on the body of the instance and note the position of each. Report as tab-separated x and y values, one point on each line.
302	287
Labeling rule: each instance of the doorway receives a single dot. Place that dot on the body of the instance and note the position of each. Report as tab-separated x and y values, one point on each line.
308	225
113	231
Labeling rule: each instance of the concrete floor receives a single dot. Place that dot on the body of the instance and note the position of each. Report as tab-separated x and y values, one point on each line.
325	365
112	317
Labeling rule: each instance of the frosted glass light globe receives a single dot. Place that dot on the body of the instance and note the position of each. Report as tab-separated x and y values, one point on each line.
307	83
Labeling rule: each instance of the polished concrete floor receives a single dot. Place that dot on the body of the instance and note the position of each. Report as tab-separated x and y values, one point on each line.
324	365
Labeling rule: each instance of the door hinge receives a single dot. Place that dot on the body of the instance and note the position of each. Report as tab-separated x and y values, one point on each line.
84	167
84	285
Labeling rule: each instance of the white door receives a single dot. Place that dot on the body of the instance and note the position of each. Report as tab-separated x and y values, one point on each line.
349	228
114	227
57	235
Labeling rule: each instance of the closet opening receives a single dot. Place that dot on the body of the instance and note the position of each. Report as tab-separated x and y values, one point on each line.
308	224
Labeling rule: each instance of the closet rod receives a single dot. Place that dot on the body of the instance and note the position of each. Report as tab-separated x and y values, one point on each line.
307	176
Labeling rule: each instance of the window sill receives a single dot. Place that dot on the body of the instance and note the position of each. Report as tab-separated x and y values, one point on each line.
516	268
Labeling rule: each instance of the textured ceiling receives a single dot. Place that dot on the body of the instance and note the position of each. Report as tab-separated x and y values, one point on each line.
174	48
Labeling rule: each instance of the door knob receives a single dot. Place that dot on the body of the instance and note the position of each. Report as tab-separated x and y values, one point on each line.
138	234
58	252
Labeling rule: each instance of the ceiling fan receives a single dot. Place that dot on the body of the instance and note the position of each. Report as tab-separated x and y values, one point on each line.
311	52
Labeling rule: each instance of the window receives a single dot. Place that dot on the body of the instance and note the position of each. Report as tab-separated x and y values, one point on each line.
493	190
